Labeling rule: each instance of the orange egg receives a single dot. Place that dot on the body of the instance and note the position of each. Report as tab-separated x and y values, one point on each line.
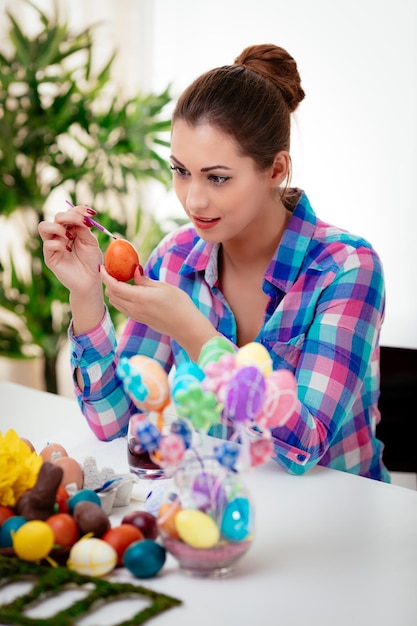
121	259
52	452
73	472
166	519
155	379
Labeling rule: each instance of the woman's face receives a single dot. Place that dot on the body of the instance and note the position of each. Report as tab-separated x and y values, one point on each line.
221	191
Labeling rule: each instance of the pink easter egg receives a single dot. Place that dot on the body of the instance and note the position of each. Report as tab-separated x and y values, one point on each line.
280	399
261	450
171	448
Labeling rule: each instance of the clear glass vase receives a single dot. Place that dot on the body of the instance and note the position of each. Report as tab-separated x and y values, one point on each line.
206	517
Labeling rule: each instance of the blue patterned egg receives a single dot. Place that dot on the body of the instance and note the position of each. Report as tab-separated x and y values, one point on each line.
186	374
238	519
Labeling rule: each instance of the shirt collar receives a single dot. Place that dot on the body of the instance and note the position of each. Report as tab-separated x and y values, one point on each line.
285	265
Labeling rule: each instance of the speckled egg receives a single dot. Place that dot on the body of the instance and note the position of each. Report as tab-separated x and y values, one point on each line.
144	558
196	528
92	557
52	452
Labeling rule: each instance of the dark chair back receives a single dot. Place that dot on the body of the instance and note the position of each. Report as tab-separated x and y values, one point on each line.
398	406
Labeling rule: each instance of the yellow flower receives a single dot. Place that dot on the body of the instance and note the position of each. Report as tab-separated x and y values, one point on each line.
19	468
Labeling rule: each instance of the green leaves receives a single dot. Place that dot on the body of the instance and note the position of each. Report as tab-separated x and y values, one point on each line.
64	126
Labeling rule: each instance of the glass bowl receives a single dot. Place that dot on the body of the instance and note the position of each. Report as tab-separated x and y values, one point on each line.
206	518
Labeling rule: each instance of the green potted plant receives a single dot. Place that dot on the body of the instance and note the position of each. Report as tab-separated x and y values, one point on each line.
66	132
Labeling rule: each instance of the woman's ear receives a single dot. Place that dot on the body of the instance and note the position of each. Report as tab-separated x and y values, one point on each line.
280	168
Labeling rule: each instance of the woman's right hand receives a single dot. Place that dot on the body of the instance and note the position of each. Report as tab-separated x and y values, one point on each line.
71	251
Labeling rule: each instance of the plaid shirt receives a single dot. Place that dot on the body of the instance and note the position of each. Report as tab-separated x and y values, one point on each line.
322	322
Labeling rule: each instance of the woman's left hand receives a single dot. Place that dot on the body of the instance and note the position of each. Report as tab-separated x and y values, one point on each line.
164	308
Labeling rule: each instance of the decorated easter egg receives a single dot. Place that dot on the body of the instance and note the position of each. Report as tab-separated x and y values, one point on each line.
196	528
33	541
171	448
261	450
245	394
213	349
155	380
181	427
280	399
186	374
9	526
207	493
144	558
121	259
237	522
81	496
92	557
255	353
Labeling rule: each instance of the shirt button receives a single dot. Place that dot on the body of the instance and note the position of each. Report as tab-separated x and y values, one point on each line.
301	458
74	355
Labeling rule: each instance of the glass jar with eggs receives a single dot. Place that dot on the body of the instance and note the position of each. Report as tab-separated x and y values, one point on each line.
206	517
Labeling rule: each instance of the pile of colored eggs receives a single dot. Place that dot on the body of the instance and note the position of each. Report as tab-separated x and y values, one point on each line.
206	519
50	522
132	544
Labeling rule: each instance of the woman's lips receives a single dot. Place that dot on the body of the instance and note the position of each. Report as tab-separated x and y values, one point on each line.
205	224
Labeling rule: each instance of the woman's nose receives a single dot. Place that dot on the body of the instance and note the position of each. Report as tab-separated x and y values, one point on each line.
196	198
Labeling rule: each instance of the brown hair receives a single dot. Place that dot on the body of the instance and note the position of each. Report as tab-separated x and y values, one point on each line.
250	100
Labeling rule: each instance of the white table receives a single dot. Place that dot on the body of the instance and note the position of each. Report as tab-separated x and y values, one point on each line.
331	549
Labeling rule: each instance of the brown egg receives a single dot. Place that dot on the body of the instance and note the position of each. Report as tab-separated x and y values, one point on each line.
73	472
28	443
52	452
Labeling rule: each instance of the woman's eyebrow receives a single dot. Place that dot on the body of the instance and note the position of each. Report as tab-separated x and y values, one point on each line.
203	169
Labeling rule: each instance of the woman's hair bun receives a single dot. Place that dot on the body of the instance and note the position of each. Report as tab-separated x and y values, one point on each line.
275	64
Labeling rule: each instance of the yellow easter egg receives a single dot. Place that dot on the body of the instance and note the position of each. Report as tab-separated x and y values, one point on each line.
155	379
254	353
196	528
33	541
92	557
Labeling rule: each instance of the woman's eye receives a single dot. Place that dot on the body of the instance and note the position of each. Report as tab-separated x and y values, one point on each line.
180	171
218	180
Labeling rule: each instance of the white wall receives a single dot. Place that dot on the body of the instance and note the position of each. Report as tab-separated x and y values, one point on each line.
355	136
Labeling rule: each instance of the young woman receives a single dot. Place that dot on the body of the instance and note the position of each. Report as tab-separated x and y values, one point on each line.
254	263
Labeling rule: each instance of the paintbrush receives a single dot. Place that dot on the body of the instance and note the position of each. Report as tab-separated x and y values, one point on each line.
94	223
